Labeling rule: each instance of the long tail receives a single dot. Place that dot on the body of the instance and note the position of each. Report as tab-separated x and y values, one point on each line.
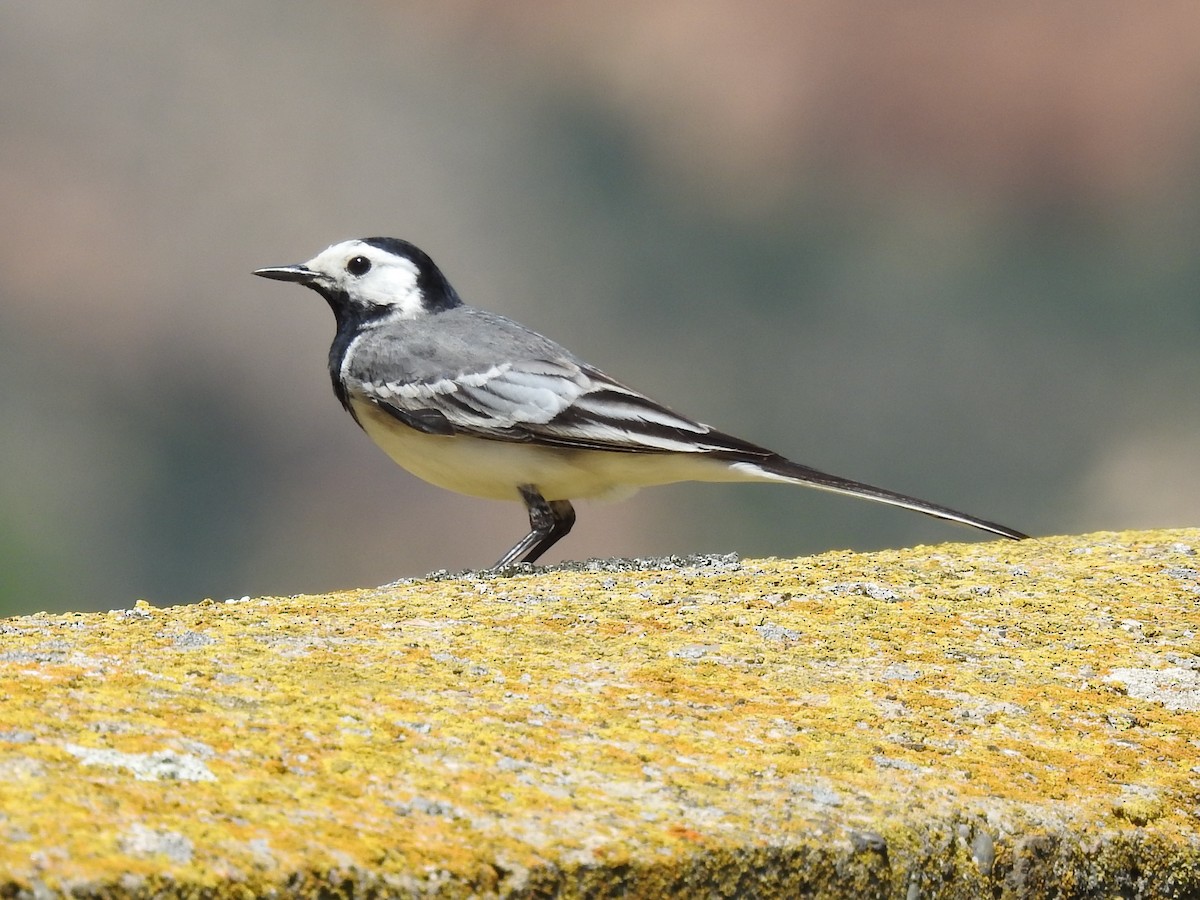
778	468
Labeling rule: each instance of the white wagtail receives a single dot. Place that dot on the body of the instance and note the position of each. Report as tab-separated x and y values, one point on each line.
473	402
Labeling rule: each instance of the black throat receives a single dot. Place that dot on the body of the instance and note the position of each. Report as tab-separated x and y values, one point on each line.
351	320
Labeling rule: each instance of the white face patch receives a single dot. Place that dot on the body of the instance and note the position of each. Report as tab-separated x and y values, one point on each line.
390	281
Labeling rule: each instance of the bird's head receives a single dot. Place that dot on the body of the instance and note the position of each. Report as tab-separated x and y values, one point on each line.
370	278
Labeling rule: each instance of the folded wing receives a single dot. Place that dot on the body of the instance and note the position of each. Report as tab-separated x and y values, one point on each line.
554	402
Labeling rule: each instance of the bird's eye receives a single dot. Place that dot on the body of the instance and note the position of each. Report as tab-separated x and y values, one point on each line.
359	265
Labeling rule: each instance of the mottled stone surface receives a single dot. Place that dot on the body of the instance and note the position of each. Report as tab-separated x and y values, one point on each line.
996	719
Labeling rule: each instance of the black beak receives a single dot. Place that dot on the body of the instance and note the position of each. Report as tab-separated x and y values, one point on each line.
299	274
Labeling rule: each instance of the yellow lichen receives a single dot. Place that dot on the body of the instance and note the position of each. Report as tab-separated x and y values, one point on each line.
731	722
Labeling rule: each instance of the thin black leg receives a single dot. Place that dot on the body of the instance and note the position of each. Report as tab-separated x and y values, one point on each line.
549	522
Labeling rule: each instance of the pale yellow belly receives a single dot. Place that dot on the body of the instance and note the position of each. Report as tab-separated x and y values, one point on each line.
495	469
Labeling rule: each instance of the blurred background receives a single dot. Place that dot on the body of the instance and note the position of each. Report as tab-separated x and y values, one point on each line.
955	245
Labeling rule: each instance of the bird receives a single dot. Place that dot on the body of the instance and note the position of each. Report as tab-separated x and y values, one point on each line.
472	401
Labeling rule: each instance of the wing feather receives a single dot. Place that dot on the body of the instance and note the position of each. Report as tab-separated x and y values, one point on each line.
557	403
